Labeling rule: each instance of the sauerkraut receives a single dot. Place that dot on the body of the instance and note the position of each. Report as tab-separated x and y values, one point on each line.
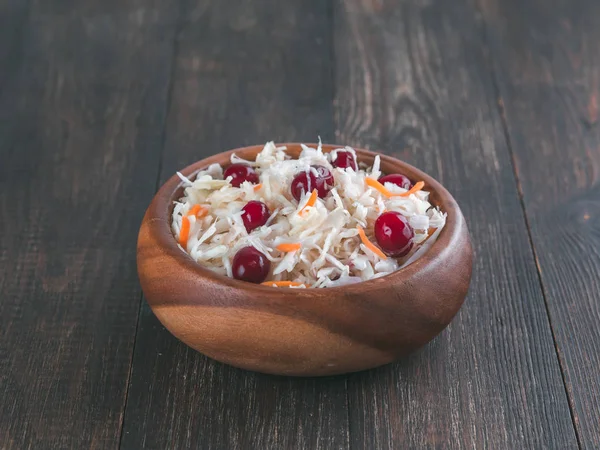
307	245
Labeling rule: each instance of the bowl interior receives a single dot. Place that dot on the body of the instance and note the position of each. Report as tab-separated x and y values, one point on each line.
439	196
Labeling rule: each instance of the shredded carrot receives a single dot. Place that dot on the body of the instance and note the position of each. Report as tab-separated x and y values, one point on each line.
381	188
289	247
416	188
378	186
311	201
194	210
184	234
284	284
198	211
369	244
430	232
258	187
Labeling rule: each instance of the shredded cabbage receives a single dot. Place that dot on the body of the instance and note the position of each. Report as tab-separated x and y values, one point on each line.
332	253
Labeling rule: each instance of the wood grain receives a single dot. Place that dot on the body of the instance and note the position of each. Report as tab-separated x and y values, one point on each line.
83	88
82	103
547	68
412	77
13	17
253	71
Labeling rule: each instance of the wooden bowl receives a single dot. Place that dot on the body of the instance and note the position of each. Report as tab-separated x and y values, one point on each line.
304	332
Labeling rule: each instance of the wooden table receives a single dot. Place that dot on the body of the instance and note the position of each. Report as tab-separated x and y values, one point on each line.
101	101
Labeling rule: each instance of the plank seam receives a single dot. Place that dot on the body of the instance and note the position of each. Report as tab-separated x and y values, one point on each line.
174	53
17	48
509	143
333	8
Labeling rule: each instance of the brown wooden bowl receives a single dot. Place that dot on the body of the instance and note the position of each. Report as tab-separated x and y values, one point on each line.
304	332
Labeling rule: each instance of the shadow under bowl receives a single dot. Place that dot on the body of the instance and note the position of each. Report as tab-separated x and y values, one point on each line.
304	332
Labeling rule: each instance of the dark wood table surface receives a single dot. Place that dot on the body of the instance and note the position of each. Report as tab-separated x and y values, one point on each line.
101	101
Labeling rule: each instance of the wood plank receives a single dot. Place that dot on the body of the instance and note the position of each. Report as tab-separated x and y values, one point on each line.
547	66
412	80
13	16
82	105
244	74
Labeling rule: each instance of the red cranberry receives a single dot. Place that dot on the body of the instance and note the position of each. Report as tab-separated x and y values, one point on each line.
240	173
394	234
308	181
250	265
344	160
302	183
255	215
397	179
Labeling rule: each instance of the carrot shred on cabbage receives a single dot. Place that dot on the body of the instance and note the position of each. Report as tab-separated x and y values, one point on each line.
184	234
284	284
383	190
430	232
258	187
198	211
194	210
378	186
289	247
311	201
365	240
416	188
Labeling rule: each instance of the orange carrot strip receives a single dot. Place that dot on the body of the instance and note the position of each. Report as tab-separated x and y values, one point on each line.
283	284
381	188
430	232
311	201
258	187
194	210
184	234
378	186
369	244
416	188
198	211
289	247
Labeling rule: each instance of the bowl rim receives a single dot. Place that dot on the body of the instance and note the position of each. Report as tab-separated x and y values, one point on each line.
158	219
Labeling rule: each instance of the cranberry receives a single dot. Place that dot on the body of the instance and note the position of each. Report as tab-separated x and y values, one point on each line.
397	179
250	265
240	173
308	181
394	234
255	215
344	160
302	183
